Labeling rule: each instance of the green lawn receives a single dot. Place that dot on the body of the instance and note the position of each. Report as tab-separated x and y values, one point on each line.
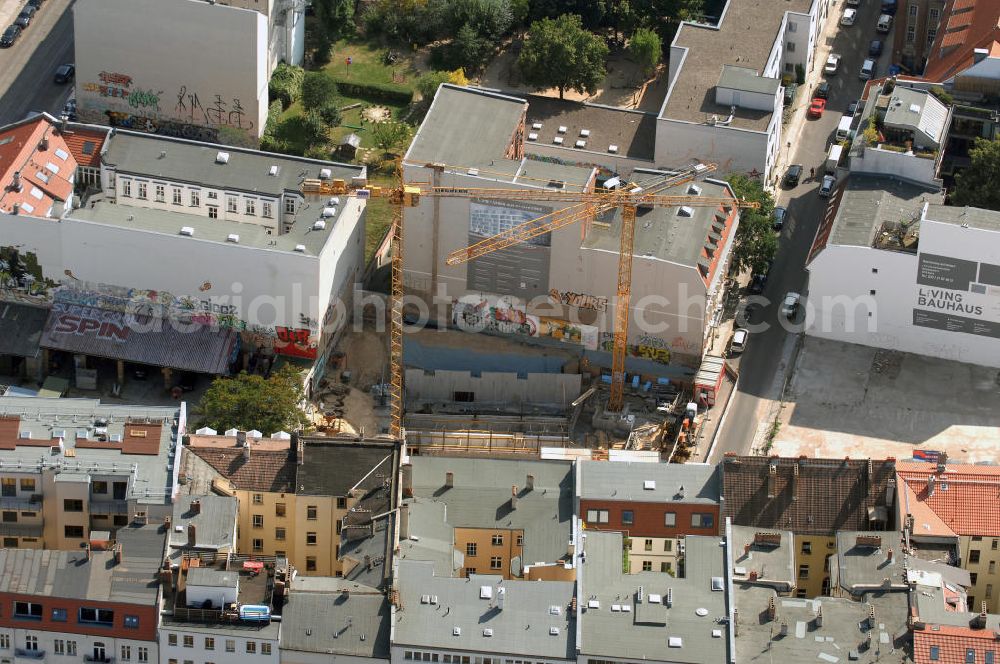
368	64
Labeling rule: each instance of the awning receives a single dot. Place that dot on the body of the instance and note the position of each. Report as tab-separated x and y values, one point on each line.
142	339
21	328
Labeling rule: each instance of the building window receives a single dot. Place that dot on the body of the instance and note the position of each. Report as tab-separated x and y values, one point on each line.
310	563
973	577
72	505
177	196
230	645
59	615
31	643
989	657
10	517
251	647
989	590
496	562
126	653
250	207
628	517
59	647
931	34
160	193
289	206
974	556
911	34
8	487
231	204
341	503
807	548
803	571
5	641
648	545
470	549
279	509
188	641
195	199
209	643
73	531
265	209
99	486
71	648
258	520
142	654
29	610
10	542
265	648
993	567
171	639
597	516
994	545
702	520
469	571
311	512
647	565
27	485
670	519
520	539
668	545
97	616
126	187
666	567
913	10
311	539
934	15
258	499
790	47
497	539
279	534
142	190
132	622
258	544
213	212
970	656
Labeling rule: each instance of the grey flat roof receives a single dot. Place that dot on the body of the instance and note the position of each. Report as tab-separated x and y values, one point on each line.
214	522
429	537
212	230
661	233
649	624
466	127
21	328
350	623
522	627
945	606
68	574
861	567
212	578
480	498
627	482
868	201
332	468
747	80
844	628
929	116
744	38
634	132
774	565
139	153
44	417
987	220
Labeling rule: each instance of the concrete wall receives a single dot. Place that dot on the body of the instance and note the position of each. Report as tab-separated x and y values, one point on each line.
887	162
300	657
743	99
615	163
217	79
491	387
492	556
218	653
734	150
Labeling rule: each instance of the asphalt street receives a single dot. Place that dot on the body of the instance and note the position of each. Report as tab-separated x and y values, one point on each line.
760	361
27	68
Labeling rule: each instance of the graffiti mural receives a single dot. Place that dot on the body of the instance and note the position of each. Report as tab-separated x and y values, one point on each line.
579	300
646	347
162	127
505	315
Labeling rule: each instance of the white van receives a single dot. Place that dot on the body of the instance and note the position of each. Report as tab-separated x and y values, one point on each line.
884	24
867	70
844	128
833	158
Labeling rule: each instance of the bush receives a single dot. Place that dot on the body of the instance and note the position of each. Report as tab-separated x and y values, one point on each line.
318	90
466	51
313	129
330	112
646	48
943	96
385	92
428	84
286	84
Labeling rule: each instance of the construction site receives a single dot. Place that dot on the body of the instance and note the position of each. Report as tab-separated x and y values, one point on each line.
573	312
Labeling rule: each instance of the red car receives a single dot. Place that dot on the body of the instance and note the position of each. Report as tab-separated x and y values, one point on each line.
816	108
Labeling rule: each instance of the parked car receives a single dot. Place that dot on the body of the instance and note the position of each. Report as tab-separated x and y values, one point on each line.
757	283
817	107
822	91
790	305
875	48
832	64
23	19
64	74
849	17
826	189
852	108
739	342
867	70
790	93
889	7
37	4
884	24
779	218
793	174
10	36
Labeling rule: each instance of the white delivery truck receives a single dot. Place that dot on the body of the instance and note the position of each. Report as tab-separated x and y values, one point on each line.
844	128
833	158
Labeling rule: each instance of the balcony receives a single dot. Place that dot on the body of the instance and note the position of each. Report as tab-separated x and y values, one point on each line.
98	660
29	654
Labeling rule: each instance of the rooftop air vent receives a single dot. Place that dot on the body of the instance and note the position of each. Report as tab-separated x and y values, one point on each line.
536	125
675	642
456	631
581	143
562	129
328	212
233	237
487	632
554	610
273	171
694	190
554	631
301	248
613	149
222	158
319	225
187	230
532	136
473	172
585	133
558	140
325	174
333	201
685	211
648	485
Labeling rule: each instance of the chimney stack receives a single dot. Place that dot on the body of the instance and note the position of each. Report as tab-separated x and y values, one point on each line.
15	183
930	486
795	481
819	617
888	555
43	144
772	479
772	610
119	553
449	479
979	621
167	576
15	208
196	506
513	497
529	483
192	535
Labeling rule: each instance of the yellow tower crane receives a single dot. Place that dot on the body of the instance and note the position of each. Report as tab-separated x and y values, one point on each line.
588	204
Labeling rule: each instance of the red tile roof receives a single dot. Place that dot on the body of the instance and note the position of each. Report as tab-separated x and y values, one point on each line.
264	471
966	497
951	645
36	151
970	24
9	428
85	145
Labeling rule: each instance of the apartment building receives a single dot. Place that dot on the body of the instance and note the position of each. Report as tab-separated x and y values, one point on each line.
96	604
496	517
813	498
764	558
654	505
71	468
916	28
121	196
954	500
322	504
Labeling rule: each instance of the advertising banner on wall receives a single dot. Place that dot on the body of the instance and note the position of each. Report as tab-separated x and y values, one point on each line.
957	295
521	270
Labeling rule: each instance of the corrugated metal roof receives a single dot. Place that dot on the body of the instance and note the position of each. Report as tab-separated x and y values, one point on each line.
21	328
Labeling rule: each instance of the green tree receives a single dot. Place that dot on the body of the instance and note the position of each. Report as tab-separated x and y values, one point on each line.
489	19
646	48
468	50
561	53
314	130
755	243
250	401
976	186
520	10
330	112
666	15
286	84
621	17
336	17
428	84
318	89
389	135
